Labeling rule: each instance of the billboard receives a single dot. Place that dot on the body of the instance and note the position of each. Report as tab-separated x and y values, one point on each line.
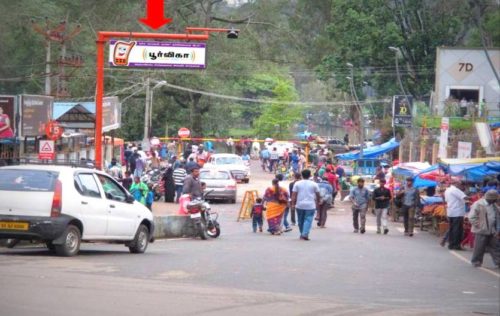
149	54
36	110
443	139
402	111
111	114
7	116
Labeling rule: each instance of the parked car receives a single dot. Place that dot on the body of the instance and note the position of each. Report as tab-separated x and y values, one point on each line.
63	206
233	163
220	184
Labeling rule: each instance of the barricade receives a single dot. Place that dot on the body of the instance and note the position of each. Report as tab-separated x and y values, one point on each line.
247	204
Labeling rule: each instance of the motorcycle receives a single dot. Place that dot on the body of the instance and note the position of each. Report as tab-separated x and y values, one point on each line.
203	218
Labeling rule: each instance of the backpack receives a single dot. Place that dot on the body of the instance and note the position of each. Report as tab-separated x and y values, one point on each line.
325	196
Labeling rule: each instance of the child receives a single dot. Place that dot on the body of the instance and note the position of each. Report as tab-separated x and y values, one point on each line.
256	215
150	197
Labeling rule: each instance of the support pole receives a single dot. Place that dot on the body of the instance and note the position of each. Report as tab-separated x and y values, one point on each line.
99	93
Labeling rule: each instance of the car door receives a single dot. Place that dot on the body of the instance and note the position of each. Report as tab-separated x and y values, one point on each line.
92	207
122	216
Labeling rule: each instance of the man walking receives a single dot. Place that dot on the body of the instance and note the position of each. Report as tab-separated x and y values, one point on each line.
411	199
382	197
484	217
359	197
455	200
274	159
305	199
326	198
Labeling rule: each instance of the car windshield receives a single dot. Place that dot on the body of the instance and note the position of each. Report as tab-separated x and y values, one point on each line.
27	180
220	175
228	161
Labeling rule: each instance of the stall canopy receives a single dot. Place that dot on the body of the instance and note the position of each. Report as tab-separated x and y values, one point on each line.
477	174
410	169
370	152
456	167
428	177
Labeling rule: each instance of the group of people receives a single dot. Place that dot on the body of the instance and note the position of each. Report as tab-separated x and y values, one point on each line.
480	215
271	160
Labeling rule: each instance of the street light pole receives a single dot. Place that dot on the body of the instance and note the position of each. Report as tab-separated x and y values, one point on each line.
149	110
360	111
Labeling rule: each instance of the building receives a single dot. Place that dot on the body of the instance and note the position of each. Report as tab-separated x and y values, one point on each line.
466	74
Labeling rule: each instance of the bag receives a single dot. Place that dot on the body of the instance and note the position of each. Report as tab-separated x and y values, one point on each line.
325	196
398	200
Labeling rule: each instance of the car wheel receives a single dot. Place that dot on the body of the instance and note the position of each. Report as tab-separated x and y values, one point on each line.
141	240
71	242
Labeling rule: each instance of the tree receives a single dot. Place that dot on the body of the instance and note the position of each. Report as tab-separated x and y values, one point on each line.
277	119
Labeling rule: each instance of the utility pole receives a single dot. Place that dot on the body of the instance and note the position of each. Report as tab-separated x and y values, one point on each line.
360	111
145	139
55	34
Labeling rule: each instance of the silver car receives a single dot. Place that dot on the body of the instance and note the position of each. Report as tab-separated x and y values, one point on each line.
220	184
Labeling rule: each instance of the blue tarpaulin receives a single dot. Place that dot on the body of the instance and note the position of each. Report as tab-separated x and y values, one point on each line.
370	152
478	173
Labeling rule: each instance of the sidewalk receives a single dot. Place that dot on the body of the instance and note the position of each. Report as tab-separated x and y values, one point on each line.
161	208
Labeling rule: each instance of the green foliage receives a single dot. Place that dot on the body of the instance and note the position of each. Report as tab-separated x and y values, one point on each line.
277	119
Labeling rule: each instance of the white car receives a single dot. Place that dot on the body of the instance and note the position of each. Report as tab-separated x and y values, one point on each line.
63	206
239	170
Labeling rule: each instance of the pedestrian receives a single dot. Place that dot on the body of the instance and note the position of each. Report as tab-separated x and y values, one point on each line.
346	139
359	197
305	199
296	177
150	197
190	165
333	180
139	190
276	199
179	175
382	197
294	162
127	154
169	185
257	215
455	200
127	180
264	158
484	217
140	164
273	159
411	201
325	201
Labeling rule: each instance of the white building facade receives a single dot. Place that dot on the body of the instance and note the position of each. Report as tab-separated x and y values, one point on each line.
466	74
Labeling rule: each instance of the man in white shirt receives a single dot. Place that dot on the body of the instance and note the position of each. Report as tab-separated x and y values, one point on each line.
305	200
455	200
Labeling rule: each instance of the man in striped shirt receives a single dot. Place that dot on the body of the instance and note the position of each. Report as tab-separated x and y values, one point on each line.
179	175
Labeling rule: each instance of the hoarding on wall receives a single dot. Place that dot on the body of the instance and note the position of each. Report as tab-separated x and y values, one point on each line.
111	114
36	110
402	111
464	150
7	103
150	54
443	139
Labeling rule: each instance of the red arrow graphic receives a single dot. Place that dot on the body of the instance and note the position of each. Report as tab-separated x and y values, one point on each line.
155	17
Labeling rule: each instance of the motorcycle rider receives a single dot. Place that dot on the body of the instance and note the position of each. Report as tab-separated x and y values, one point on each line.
192	184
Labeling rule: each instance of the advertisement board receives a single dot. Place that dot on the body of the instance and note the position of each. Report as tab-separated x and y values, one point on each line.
7	116
36	110
150	54
111	114
464	150
401	110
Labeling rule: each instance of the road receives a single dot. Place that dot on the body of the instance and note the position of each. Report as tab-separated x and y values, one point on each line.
242	273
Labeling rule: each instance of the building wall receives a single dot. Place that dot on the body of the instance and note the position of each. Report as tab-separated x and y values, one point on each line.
458	68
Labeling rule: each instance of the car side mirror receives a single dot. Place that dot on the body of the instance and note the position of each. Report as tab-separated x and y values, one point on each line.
130	199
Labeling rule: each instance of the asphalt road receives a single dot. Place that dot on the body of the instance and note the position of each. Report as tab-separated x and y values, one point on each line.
242	273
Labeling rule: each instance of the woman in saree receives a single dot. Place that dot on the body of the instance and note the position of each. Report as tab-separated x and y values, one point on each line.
276	199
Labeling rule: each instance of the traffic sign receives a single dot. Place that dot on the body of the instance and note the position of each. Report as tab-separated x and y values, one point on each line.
184	132
53	130
46	150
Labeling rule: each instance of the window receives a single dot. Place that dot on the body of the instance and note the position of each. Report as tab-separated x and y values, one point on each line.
27	180
219	175
112	190
86	185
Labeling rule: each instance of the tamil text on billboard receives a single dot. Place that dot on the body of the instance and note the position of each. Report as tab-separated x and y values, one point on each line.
7	116
402	110
111	113
36	110
157	54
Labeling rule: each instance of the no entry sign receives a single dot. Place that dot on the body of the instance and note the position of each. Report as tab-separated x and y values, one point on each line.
184	132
